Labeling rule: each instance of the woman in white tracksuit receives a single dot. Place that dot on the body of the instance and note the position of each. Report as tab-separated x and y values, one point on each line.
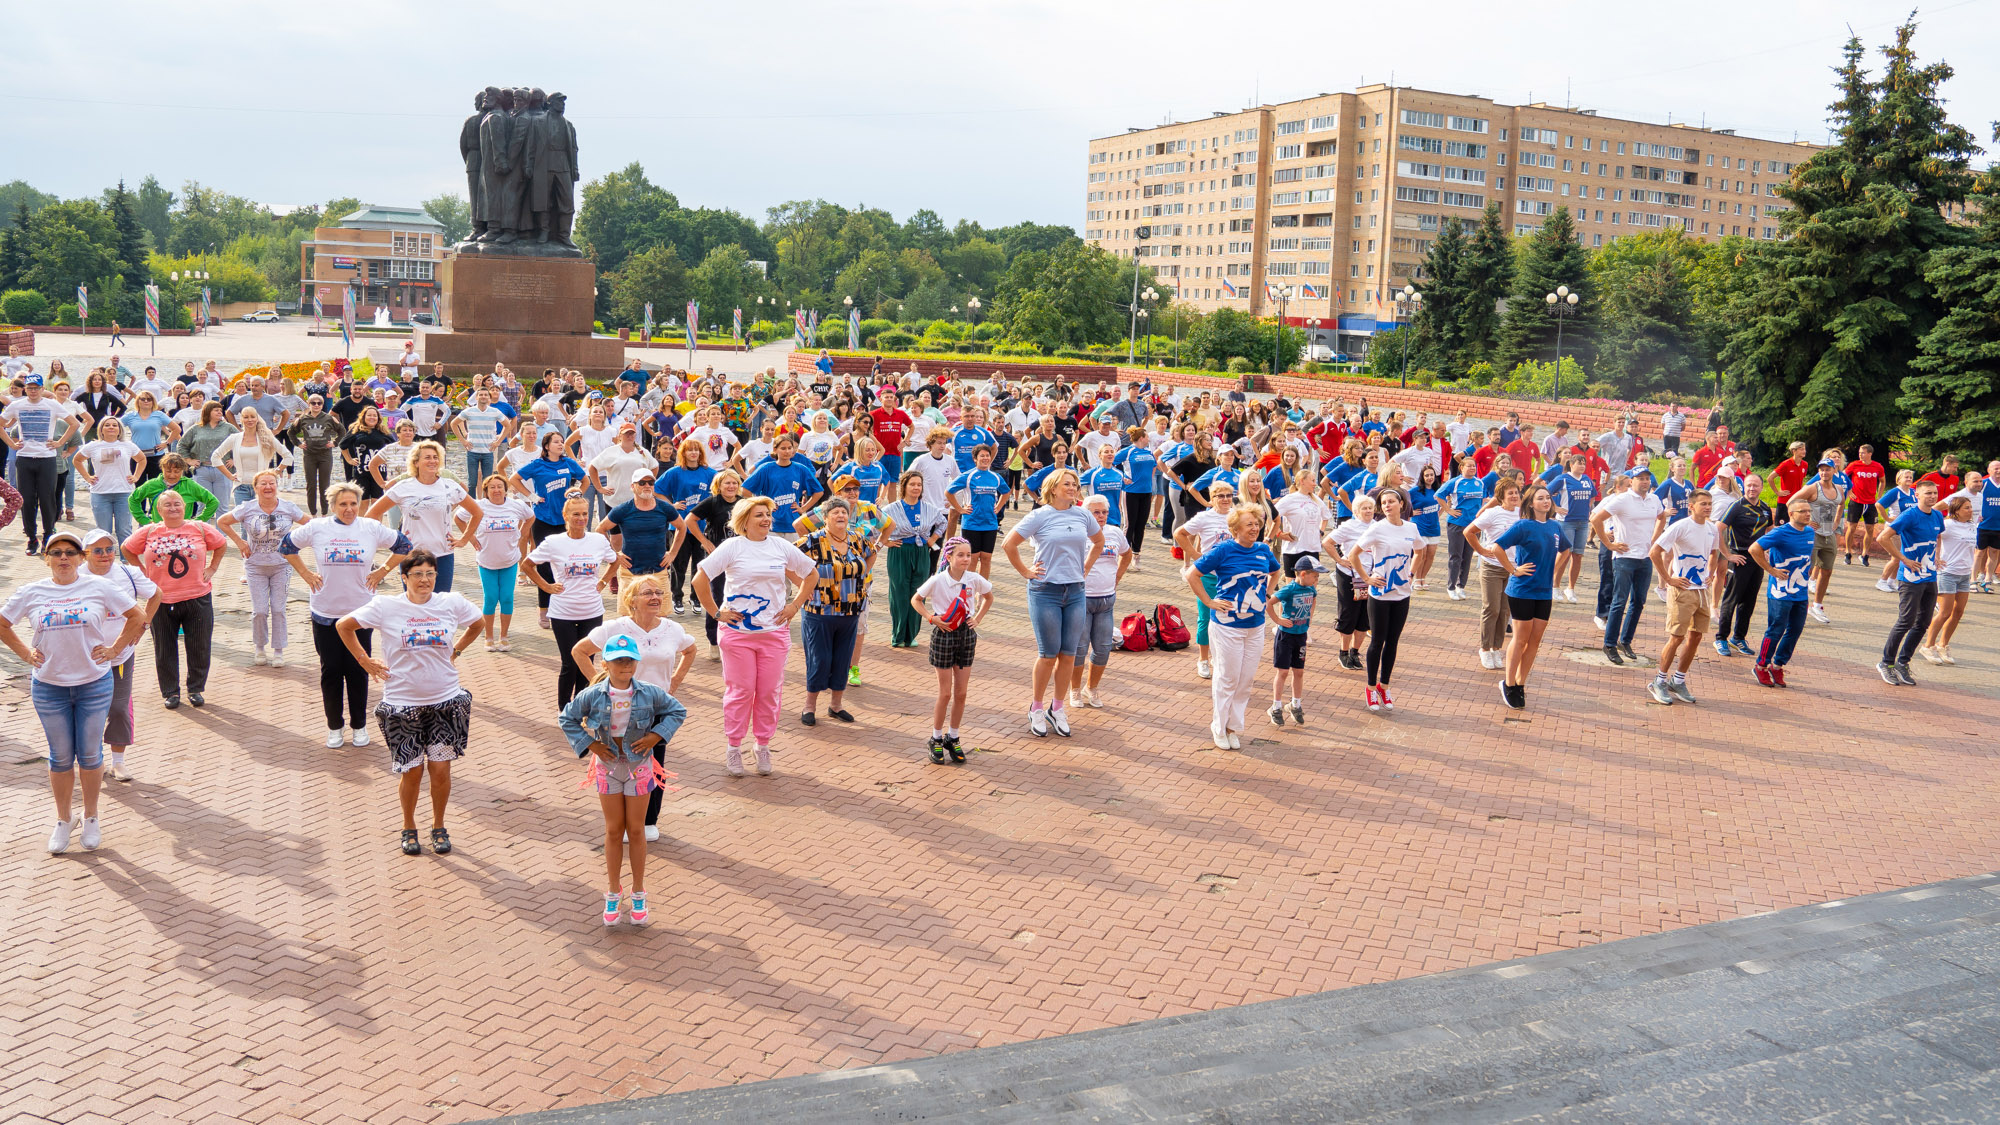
1246	574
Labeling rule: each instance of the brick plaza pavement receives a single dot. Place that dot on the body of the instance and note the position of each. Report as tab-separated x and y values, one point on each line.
249	945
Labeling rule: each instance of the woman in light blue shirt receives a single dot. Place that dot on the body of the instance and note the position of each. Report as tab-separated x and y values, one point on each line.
1067	542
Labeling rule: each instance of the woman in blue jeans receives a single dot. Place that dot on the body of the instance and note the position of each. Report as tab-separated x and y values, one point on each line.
1067	542
80	625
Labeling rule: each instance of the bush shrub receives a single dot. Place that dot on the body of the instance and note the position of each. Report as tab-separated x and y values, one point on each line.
25	306
1238	365
65	315
944	330
1022	348
1480	374
1210	365
875	326
972	347
988	332
1424	377
1310	367
895	341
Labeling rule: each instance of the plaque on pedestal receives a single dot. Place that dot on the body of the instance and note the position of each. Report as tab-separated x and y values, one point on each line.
526	312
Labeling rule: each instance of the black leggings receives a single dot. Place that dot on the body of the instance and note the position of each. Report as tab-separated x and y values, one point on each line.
569	678
191	622
1385	629
1739	602
1138	508
340	673
41	493
715	586
543	531
684	560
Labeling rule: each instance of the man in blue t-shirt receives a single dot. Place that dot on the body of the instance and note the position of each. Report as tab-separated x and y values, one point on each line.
1459	499
1786	555
978	495
970	435
1911	540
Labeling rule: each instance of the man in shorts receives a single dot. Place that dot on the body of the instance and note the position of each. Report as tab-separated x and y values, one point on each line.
1864	487
1825	494
1687	558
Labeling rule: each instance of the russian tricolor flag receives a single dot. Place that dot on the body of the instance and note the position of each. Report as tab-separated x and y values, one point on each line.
1312	292
1229	287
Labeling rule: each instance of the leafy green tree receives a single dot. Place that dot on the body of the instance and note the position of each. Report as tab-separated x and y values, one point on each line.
450	209
977	260
655	275
1487	277
19	193
721	282
1834	314
620	215
1227	334
1720	284
804	233
1952	393
871	278
1647	341
69	244
1438	323
1552	258
1071	297
156	211
925	231
14	247
124	212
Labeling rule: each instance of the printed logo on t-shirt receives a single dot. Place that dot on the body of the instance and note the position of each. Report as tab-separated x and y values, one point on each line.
64	615
1798	575
1242	594
750	606
345	552
426	632
1693	568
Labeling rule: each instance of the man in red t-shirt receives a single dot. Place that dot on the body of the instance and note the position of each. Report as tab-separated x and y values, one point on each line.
891	426
1523	450
1711	455
1791	474
1946	477
1328	436
1864	487
1487	452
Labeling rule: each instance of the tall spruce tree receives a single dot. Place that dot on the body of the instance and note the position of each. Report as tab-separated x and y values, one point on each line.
1487	277
14	243
1440	339
1953	391
1553	258
1832	317
131	236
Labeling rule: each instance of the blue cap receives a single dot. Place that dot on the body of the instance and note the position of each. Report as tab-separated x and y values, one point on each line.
1638	470
621	648
31	380
1829	463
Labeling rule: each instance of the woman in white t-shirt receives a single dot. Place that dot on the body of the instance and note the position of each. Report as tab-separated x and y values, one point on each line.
580	566
1196	536
1301	521
343	548
430	503
265	519
1100	604
666	652
1384	560
1500	514
755	616
1350	601
113	467
506	525
591	438
424	716
79	628
526	448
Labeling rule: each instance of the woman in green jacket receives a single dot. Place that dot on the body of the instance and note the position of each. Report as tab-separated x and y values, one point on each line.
202	504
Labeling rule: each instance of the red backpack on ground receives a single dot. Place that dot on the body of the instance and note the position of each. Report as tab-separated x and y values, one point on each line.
1169	631
1135	633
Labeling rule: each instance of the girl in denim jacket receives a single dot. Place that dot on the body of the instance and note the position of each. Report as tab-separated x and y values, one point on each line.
616	722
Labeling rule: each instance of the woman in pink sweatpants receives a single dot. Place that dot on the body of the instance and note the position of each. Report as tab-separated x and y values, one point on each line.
755	615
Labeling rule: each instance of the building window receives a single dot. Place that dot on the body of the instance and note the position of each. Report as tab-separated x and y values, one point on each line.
1328	121
1287	128
1423	120
1471	125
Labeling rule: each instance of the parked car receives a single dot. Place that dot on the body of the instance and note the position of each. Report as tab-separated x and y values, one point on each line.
422	318
261	316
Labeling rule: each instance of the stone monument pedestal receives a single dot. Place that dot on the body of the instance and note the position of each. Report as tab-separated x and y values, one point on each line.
526	312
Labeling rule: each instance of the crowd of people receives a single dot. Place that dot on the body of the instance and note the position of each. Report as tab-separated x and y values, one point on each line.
776	507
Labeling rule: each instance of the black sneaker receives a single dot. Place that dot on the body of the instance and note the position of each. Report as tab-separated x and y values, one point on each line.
951	747
1520	697
440	841
843	715
1506	694
172	703
1629	654
937	748
1611	654
1888	673
195	698
1848	559
1903	674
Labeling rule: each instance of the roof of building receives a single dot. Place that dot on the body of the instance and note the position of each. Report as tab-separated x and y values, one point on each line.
383	216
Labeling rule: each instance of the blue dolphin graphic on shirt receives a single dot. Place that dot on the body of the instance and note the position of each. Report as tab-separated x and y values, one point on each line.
752	605
1396	575
1697	571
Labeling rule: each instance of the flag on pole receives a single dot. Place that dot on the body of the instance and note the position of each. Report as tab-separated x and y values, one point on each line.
152	310
319	312
1311	292
83	304
204	308
739	326
812	328
347	319
694	318
649	324
1230	288
799	328
854	329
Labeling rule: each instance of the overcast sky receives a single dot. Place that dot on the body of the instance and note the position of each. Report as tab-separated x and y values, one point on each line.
976	108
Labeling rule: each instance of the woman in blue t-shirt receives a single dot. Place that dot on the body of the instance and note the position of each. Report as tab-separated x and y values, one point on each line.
1245	575
867	469
791	484
1424	513
1140	468
547	482
1528	551
1067	542
684	486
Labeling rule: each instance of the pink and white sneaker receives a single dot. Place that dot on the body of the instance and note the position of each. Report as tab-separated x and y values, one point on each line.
637	916
611	908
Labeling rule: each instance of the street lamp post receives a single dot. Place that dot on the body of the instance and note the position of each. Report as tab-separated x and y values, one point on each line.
1312	337
1562	306
1408	301
1143	314
1284	295
972	308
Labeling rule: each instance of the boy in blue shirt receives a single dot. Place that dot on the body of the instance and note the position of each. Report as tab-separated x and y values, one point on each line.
984	492
1459	499
970	435
1292	611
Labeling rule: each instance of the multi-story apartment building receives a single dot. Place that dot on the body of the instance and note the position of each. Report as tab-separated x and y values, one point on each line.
1332	202
388	255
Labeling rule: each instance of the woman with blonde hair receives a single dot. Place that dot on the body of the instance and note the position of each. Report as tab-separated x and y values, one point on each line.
1235	580
199	443
755	620
683	486
247	452
1067	542
430	501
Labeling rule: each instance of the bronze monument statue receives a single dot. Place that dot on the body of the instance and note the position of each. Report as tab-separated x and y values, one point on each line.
520	167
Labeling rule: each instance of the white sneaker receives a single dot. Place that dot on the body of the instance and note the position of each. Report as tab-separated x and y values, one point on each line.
1221	742
1569	594
59	839
360	736
260	659
714	653
92	834
1038	721
1235	742
652	833
1202	669
1929	654
1599	622
1662	592
1886	585
732	761
1072	700
1452	593
1818	613
277	658
336	738
1944	655
1091	701
763	760
1059	719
